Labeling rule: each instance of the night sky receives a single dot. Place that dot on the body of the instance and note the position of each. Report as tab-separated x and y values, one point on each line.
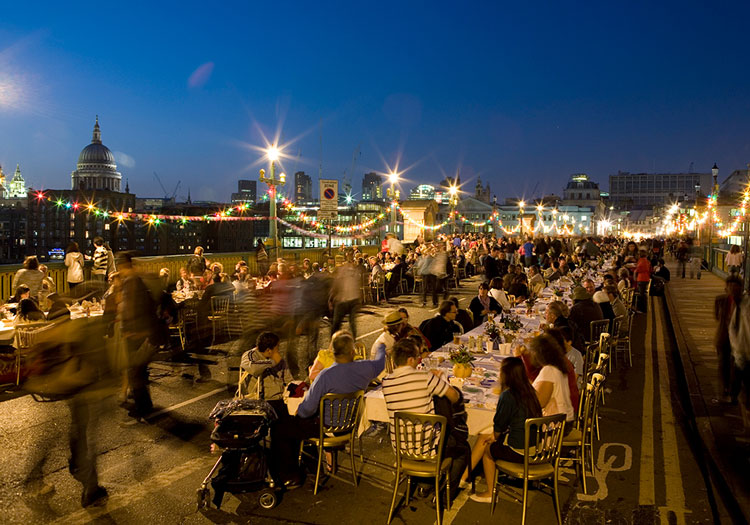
523	95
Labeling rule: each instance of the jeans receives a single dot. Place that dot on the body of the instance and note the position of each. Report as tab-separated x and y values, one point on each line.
350	308
681	267
642	296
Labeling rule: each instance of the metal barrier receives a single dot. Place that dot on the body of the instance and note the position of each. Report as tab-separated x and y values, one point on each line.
58	272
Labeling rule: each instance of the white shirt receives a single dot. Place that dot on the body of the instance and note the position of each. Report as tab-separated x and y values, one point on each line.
559	402
576	359
501	297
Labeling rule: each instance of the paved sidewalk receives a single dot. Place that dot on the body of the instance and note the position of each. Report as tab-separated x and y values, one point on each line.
723	428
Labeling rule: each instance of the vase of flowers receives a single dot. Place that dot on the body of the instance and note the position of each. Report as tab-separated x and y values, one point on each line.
530	302
513	323
461	359
492	331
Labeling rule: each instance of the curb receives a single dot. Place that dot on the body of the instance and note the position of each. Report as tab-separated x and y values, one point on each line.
702	419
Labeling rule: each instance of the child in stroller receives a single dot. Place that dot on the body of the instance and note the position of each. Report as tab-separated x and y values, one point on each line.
241	430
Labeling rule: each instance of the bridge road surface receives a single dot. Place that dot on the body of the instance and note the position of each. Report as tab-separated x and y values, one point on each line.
646	469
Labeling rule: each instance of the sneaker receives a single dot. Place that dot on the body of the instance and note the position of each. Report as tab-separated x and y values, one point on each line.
481	499
464	485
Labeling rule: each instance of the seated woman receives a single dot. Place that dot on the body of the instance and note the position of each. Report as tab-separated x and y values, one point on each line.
22	292
518	402
483	304
28	312
552	384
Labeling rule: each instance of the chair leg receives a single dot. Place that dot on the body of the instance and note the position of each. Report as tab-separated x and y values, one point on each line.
582	457
525	498
448	491
361	454
395	492
351	456
494	493
408	489
557	499
630	355
437	499
320	464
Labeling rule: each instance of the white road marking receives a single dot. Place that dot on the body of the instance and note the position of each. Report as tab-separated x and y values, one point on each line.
179	405
672	471
646	493
604	467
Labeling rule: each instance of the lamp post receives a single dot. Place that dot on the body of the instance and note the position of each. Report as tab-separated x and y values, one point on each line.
453	201
521	204
715	196
273	156
393	195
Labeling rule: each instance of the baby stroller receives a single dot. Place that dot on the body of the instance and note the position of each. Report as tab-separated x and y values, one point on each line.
241	430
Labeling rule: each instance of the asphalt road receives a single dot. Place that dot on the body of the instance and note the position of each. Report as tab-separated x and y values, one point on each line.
647	472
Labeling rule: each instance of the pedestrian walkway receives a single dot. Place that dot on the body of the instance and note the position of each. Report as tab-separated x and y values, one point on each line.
722	427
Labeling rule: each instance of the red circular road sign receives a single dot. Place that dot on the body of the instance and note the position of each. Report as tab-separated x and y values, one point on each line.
329	193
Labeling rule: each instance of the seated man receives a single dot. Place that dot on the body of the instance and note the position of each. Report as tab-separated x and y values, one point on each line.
440	329
345	376
410	390
268	373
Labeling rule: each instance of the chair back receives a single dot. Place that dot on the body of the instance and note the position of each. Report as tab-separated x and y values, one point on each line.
617	324
597	329
220	305
542	440
26	334
419	437
339	413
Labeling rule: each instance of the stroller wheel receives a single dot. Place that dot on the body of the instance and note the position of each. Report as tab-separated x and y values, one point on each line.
204	498
267	499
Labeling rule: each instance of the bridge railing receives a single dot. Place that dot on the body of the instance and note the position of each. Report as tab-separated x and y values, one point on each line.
58	271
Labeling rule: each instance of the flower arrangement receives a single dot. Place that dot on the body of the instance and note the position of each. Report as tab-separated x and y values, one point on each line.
513	323
491	330
461	359
461	355
557	292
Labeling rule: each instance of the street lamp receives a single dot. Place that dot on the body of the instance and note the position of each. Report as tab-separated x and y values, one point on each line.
453	201
715	196
272	153
393	195
521	204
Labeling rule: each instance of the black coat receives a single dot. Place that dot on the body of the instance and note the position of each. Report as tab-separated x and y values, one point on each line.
581	315
438	331
476	308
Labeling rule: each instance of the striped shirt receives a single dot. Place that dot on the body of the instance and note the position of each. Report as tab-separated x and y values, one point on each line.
409	390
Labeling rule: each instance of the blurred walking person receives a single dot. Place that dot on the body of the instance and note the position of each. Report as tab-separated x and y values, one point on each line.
346	296
137	313
723	310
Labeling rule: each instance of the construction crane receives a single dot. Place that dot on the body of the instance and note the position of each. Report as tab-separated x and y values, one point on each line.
347	182
166	194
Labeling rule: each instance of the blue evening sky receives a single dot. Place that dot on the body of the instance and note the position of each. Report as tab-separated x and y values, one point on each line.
523	94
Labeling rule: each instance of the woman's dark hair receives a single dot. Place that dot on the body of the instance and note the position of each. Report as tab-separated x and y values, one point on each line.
560	335
73	247
514	379
496	283
28	309
22	289
31	263
484	286
548	352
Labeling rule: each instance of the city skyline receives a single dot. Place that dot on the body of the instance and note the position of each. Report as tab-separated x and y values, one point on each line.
527	101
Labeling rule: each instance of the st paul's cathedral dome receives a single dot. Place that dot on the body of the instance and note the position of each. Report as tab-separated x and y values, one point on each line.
96	169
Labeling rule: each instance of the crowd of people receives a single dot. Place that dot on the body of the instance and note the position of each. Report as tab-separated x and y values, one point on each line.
285	304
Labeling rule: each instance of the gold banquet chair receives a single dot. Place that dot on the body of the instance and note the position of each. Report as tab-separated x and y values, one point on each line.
580	440
339	421
419	452
219	314
540	461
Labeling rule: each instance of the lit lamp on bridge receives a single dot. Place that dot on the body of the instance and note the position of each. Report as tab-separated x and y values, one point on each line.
273	153
393	195
453	192
521	205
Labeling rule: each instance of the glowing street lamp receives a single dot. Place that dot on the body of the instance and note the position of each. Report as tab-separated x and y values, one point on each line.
453	201
273	153
393	195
